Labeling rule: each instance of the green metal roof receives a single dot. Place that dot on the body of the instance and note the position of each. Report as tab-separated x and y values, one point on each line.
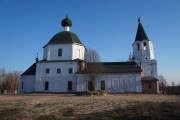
49	61
108	67
118	67
141	34
64	37
31	70
121	67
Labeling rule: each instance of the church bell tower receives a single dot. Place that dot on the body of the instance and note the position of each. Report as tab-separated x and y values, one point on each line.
143	52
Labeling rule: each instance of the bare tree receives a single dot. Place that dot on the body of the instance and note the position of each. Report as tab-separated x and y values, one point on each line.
12	81
178	89
93	67
173	84
9	81
162	84
2	77
173	87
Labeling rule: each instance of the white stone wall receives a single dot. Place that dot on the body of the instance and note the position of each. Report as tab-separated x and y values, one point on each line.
69	52
78	51
82	83
51	52
113	82
154	68
57	82
28	84
144	53
151	50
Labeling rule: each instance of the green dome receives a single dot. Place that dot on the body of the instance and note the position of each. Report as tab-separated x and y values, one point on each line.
64	37
66	22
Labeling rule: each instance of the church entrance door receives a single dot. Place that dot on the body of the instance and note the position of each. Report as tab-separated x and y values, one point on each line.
69	85
46	86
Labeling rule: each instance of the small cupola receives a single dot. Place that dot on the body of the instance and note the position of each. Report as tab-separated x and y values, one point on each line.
66	23
37	59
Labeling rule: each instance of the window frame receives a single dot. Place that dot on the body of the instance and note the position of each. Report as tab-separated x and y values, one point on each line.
57	71
70	72
48	71
59	53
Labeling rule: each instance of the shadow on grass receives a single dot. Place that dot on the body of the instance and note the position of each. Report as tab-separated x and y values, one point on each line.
135	111
9	113
139	111
65	114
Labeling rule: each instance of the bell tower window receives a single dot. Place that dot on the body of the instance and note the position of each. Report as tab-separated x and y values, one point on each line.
144	45
138	46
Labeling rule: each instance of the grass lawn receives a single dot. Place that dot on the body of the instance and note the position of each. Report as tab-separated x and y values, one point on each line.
71	107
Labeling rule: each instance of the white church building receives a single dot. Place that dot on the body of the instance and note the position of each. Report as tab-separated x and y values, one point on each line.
64	57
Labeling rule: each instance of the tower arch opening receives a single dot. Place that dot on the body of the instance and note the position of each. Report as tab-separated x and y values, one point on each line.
144	46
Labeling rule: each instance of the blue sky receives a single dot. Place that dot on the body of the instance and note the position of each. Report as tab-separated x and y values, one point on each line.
108	26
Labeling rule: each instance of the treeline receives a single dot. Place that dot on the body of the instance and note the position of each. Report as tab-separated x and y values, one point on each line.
164	88
9	81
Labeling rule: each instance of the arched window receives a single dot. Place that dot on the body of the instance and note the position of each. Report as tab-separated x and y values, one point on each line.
144	45
138	46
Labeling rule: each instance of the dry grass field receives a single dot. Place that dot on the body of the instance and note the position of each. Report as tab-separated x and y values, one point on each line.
71	107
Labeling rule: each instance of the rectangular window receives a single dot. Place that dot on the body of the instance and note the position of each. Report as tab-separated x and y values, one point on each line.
69	85
46	86
59	71
102	85
22	85
70	70
138	47
59	52
47	70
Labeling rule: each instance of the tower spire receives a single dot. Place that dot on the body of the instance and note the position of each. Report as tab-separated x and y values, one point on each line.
141	34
